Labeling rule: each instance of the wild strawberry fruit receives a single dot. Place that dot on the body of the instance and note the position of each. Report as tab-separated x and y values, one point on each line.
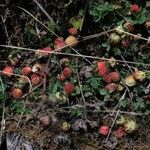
119	133
23	80
26	71
102	68
59	43
69	88
147	24
8	70
130	81
114	38
139	75
64	62
129	26
45	120
107	78
120	87
72	31
104	130
37	68
130	126
61	77
119	30
67	72
35	79
115	77
135	8
125	43
112	61
112	87
14	61
17	93
43	52
71	40
65	126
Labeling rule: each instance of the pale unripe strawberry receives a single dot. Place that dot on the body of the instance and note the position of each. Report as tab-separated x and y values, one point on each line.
130	81
72	41
130	126
114	38
65	126
147	24
139	75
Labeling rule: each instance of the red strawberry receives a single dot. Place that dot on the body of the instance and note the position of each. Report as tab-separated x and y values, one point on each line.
43	52
107	78
102	68
17	93
125	43
61	77
111	87
47	49
104	130
8	70
69	88
135	8
26	71
67	72
59	43
72	31
119	133
35	79
115	77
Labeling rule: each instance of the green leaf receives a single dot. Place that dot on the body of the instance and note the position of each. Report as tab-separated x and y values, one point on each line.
55	88
98	11
76	22
94	83
87	94
103	92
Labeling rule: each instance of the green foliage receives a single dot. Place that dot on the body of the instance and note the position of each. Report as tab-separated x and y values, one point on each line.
3	94
99	11
19	107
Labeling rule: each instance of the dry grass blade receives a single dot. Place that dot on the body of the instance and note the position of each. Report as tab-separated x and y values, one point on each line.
75	55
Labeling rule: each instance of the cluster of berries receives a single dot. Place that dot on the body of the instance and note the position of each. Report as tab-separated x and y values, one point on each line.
110	78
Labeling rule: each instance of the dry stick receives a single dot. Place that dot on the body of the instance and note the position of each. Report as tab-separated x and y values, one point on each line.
83	98
137	36
6	32
18	75
33	89
52	32
2	124
127	64
102	111
122	97
45	12
74	55
47	15
112	126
